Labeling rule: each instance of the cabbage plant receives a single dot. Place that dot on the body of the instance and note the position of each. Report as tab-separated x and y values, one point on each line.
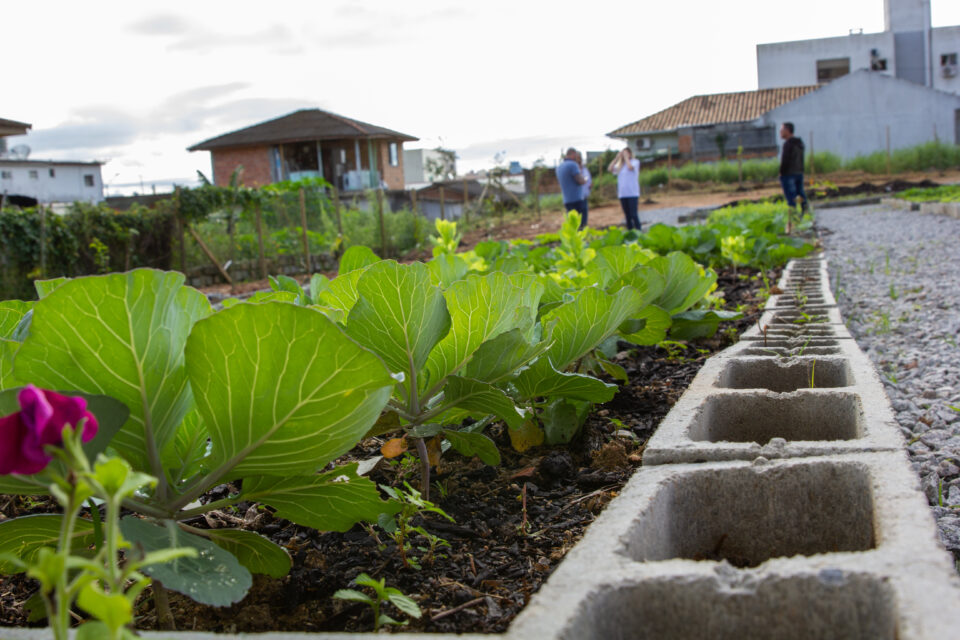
263	395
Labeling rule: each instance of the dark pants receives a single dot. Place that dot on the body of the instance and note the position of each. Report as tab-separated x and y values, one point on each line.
580	206
792	184
630	211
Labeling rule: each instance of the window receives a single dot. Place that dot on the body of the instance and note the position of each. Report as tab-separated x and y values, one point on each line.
33	174
832	69
878	64
87	180
948	59
53	173
6	175
394	154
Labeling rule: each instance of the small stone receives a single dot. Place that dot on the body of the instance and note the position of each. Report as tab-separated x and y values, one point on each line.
946	468
929	393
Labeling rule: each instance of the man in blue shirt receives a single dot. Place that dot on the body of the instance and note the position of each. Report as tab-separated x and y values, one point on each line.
571	181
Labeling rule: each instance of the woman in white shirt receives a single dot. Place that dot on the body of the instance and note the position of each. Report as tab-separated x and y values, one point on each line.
627	169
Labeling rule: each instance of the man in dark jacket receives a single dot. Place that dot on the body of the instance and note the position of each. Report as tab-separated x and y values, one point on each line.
791	167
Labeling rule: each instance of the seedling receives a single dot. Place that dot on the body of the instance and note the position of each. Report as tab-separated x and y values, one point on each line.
400	528
813	367
382	593
893	292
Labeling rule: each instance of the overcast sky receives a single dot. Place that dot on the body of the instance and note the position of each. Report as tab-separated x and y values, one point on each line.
135	83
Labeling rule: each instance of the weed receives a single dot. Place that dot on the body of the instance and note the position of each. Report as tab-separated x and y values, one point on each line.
412	505
893	292
382	593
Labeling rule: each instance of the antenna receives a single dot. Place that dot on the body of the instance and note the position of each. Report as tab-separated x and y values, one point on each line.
20	152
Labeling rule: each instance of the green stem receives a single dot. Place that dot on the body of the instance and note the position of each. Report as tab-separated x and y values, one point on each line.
61	620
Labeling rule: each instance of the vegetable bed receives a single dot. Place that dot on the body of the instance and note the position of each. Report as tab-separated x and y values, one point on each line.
512	523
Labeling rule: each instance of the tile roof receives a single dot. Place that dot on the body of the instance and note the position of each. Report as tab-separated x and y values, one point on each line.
714	109
306	124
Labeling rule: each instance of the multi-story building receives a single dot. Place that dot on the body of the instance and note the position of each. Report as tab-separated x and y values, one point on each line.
908	48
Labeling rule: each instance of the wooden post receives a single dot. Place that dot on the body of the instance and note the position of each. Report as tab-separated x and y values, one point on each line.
443	213
383	228
888	150
231	231
466	201
669	164
303	222
813	166
536	191
182	233
43	240
740	162
336	211
413	200
206	250
263	262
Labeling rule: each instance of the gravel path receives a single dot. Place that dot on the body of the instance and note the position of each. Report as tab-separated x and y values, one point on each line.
896	276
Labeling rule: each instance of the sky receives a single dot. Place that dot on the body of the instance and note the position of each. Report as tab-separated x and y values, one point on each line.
134	84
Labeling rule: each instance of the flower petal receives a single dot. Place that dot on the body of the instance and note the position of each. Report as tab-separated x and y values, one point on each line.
12	432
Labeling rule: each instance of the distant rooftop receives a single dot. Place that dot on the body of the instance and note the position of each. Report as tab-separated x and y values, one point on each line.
12	127
715	108
299	126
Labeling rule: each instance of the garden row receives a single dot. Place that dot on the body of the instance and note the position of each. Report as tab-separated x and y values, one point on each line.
267	393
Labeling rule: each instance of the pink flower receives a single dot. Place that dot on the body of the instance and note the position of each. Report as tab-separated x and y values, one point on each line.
39	422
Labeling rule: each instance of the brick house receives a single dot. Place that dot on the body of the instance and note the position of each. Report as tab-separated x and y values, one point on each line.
350	154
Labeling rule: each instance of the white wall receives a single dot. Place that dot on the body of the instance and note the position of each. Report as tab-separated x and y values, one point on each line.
945	40
66	185
794	64
906	15
849	116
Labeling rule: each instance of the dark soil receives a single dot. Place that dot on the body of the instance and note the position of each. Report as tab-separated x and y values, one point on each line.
513	523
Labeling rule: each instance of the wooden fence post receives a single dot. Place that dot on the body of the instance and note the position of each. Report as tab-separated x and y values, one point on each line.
413	200
43	241
182	233
669	164
206	250
536	191
740	162
259	222
336	210
303	222
443	213
383	228
466	200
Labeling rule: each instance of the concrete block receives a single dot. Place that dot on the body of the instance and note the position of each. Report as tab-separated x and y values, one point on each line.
739	408
828	547
801	332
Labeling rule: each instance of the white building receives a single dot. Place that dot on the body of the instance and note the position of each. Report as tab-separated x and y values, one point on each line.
51	181
417	162
909	48
854	115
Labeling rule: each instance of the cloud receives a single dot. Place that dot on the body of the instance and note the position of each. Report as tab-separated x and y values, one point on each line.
100	131
161	25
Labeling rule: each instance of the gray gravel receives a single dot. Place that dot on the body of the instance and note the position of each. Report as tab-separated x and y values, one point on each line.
896	276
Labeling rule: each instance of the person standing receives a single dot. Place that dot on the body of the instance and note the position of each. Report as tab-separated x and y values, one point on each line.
571	183
627	169
587	183
791	168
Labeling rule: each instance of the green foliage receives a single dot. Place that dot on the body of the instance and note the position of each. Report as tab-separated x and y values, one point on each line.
382	594
944	193
278	390
87	239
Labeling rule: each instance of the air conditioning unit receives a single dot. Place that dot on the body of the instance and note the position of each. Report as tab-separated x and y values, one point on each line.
949	70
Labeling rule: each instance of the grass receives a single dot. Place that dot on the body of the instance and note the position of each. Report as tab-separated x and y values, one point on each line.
923	157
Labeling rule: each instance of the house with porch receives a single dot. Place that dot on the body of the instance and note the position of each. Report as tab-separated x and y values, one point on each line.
350	154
